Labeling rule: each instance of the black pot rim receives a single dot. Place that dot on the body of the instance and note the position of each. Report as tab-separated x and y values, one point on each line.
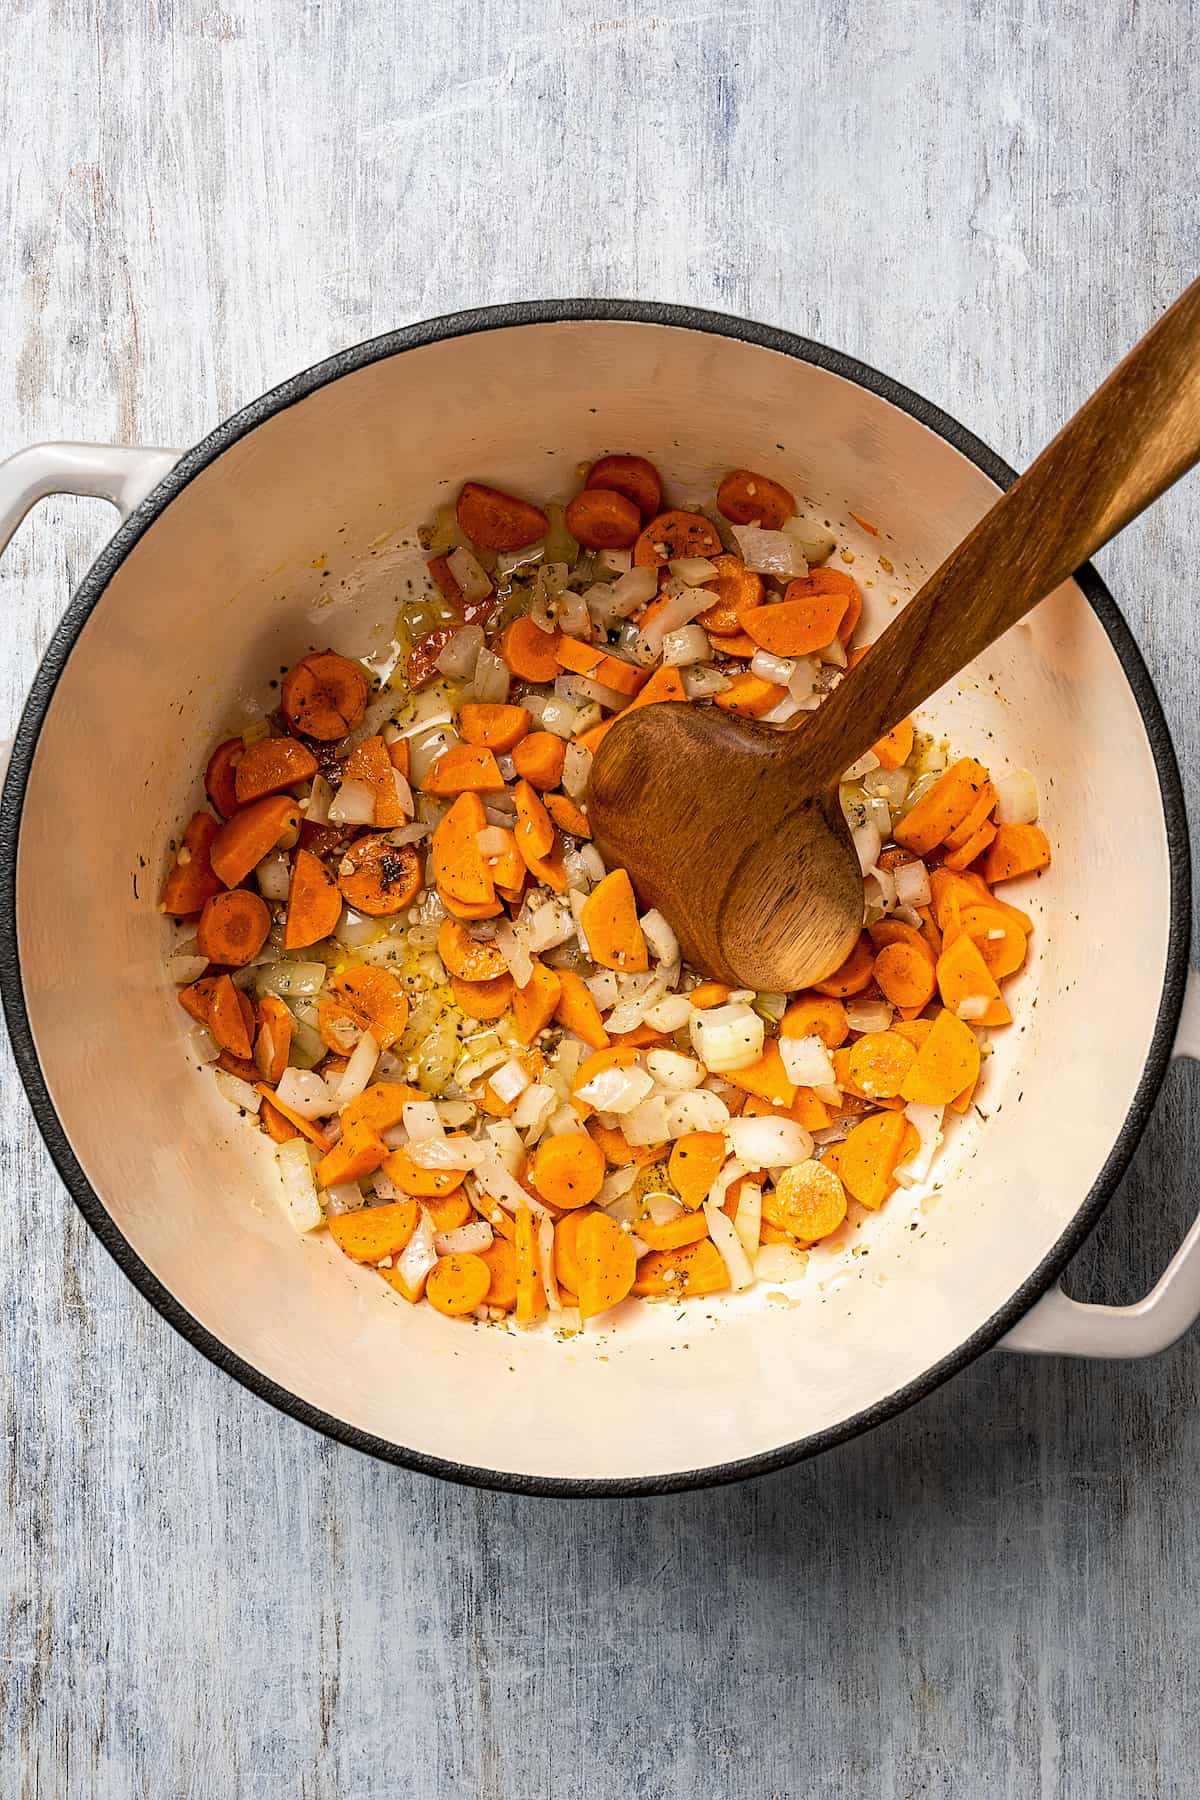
534	313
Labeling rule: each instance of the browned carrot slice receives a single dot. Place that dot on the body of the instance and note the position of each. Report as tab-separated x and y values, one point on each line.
463	955
745	498
497	728
374	999
324	696
314	902
738	589
252	833
197	998
483	1000
602	519
632	476
530	652
675	534
610	923
270	766
381	1106
796	625
192	879
233	928
230	1017
539	759
378	877
464	769
750	696
220	776
498	521
274	1040
567	816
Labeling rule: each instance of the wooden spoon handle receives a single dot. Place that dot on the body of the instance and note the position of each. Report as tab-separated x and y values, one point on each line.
1135	436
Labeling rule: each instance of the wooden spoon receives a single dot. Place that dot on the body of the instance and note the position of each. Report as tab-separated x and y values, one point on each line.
734	829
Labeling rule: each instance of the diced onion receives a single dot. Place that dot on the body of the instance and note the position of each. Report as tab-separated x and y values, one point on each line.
1017	798
769	667
508	1081
444	1153
614	562
806	1061
490	679
703	683
784	709
583	687
465	1240
890	785
418	1256
457	658
668	1014
674	1072
912	884
560	717
305	1093
659	936
534	1110
426	746
617	1090
492	841
422	1121
676	610
866	762
648	1123
200	1043
766	1143
516	956
803	682
472	578
632	590
693	570
404	794
602	986
727	1037
300	1199
972	1008
686	646
698	1109
770	552
273	875
495	1179
353	804
733	1253
236	1091
545	1258
747	1220
928	1123
358	1071
343	1197
867	1015
868	844
184	966
577	766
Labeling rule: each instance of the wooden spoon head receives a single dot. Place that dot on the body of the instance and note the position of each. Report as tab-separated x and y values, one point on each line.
713	820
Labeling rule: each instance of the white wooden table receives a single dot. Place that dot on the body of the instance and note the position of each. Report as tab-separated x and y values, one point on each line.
994	1595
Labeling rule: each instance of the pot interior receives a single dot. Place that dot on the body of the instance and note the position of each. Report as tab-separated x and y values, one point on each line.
301	535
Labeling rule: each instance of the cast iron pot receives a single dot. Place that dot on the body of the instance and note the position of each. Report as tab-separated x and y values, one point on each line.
286	528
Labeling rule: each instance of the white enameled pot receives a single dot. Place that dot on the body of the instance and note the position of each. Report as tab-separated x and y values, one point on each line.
285	529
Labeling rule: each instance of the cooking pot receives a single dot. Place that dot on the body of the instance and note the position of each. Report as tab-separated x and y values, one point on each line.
291	526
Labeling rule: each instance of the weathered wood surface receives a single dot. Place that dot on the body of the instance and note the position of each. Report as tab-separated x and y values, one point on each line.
995	1595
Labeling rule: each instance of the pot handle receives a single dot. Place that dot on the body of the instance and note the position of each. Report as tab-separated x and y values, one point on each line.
109	472
1059	1326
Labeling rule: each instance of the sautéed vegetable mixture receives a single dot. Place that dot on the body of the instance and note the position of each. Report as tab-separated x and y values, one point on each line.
483	1069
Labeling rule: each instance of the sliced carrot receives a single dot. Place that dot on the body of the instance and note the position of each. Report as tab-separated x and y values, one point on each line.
567	1170
483	1000
550	869
252	833
566	1248
745	498
610	923
432	1184
374	999
324	696
738	589
673	1234
273	1043
472	959
955	893
623	676
1001	943
233	928
464	769
448	1211
538	760
816	1015
458	864
962	975
809	1110
708	993
371	764
578	1012
192	879
895	747
270	765
767	1077
370	1233
458	909
675	534
879	1062
973	848
602	519
607	1263
196	999
640	1037
534	831
457	1284
277	1128
915	1030
498	521
869	1156
378	877
808	1201
946	805
853	975
531	1295
306	1127
1016	850
324	840
230	1017
743	646
749	696
220	777
632	476
241	1066
905	975
567	816
530	652
508	870
947	1062
380	1106
617	1152
696	1160
844	1078
533	1005
798	624
358	1152
314	902
695	1269
500	1260
973	820
421	664
664	684
498	728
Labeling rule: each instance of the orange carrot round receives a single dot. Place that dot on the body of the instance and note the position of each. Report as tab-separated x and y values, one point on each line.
192	879
632	476
274	1040
230	1017
696	1160
602	519
567	1170
695	1269
853	975
430	1184
737	589
219	776
378	877
530	652
816	1015
252	833
448	1211
324	696
566	1247
233	928
607	1264
374	999
498	521
370	1233
500	1260
466	957
498	728
675	534
457	1284
879	1061
270	766
314	902
808	1201
539	759
745	498
869	1156
482	1000
905	975
196	999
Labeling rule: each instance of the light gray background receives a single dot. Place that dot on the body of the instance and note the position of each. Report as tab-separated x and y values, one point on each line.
997	1593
